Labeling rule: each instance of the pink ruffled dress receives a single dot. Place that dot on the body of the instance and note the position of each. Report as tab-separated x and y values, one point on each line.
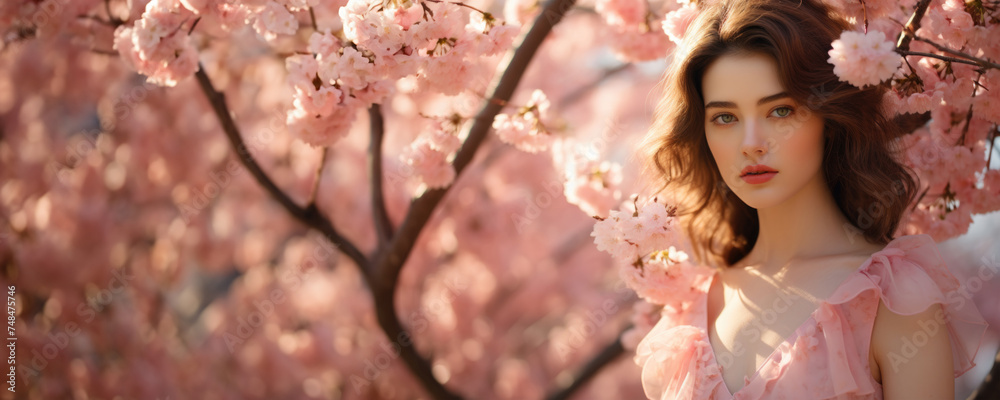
827	356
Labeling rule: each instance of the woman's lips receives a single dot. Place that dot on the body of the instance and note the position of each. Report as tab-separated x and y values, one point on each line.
756	179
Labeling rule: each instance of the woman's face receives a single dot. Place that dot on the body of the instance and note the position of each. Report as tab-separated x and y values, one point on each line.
767	146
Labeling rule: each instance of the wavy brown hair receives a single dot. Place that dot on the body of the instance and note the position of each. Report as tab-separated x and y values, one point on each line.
870	186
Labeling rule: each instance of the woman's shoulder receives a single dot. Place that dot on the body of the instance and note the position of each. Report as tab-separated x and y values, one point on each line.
917	294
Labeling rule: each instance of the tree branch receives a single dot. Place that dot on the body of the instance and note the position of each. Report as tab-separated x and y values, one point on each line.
973	60
389	262
937	56
310	216
911	27
383	226
602	359
318	176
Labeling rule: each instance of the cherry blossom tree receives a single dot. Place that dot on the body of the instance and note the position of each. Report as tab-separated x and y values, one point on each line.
304	198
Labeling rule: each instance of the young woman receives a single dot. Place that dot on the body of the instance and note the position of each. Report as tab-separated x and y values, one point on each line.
789	189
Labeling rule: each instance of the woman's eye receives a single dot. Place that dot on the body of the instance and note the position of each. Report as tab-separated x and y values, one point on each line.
725	119
782	112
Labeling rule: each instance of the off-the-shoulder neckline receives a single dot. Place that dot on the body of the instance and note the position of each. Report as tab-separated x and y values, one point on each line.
811	319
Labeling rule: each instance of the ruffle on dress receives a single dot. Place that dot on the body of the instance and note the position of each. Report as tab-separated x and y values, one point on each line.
827	356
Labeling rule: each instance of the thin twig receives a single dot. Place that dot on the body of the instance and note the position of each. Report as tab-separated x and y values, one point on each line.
383	226
968	114
115	21
864	10
317	177
993	139
458	4
975	60
194	24
610	352
390	261
937	56
312	17
310	216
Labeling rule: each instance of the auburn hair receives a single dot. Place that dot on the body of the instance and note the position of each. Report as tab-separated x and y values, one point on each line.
870	186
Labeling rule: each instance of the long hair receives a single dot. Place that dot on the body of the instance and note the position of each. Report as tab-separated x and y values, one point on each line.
870	186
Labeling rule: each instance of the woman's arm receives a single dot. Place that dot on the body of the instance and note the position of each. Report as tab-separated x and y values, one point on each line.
913	353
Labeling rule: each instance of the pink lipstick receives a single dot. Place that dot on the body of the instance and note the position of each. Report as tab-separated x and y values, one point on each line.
757	174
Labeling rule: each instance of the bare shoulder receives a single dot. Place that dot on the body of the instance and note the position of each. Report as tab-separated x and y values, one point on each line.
913	353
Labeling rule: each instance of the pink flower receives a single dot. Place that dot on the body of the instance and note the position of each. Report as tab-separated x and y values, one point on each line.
863	59
661	278
273	20
521	11
675	23
526	130
323	43
165	61
609	238
320	130
491	36
593	186
623	12
319	103
431	167
350	70
302	70
635	44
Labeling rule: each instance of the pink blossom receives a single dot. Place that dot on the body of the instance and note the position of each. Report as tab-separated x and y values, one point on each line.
520	12
319	103
323	44
302	70
952	24
527	129
375	92
633	237
609	238
986	104
273	20
623	12
664	277
636	44
444	139
676	22
165	63
350	70
490	35
431	167
863	59
320	130
593	186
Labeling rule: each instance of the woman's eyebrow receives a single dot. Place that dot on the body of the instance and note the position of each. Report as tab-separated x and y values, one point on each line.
762	101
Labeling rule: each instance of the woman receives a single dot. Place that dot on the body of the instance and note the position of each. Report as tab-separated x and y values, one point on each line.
788	186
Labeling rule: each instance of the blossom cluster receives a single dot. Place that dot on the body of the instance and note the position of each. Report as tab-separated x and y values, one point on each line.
440	43
641	241
529	128
157	46
428	156
863	58
593	185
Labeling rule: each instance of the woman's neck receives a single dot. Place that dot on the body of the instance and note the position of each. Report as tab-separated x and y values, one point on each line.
807	225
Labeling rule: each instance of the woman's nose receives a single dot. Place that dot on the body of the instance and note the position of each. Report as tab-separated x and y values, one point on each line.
754	143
